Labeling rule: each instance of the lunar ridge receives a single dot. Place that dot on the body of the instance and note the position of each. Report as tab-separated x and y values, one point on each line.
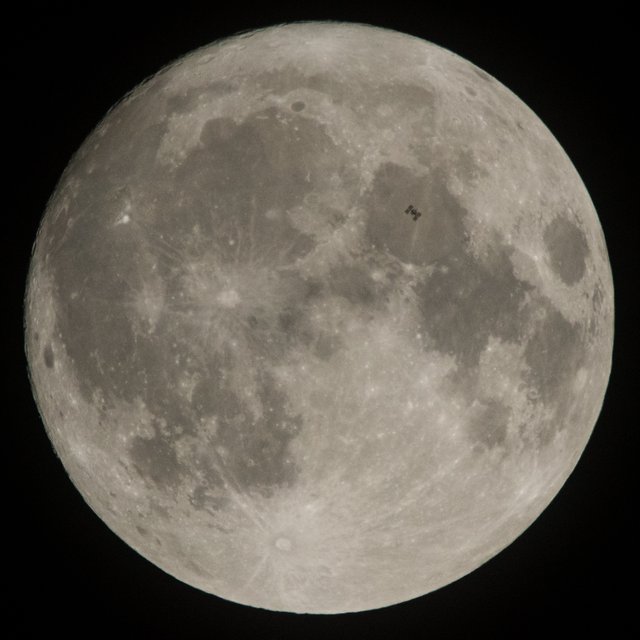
269	379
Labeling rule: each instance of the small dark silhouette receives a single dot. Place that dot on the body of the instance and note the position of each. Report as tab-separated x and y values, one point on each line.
413	211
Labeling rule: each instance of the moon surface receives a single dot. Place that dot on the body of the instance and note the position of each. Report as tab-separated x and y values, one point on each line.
319	318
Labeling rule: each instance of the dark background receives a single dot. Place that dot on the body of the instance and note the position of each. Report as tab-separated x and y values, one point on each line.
571	572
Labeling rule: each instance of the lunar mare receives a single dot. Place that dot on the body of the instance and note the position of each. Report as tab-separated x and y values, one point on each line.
271	381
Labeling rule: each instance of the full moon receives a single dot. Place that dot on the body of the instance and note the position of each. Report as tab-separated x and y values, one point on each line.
319	318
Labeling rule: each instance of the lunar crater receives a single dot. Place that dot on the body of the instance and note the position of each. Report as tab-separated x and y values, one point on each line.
567	249
47	355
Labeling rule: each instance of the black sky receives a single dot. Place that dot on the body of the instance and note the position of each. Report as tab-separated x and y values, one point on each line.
569	573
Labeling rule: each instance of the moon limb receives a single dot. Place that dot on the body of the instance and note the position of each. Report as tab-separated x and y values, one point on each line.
309	389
